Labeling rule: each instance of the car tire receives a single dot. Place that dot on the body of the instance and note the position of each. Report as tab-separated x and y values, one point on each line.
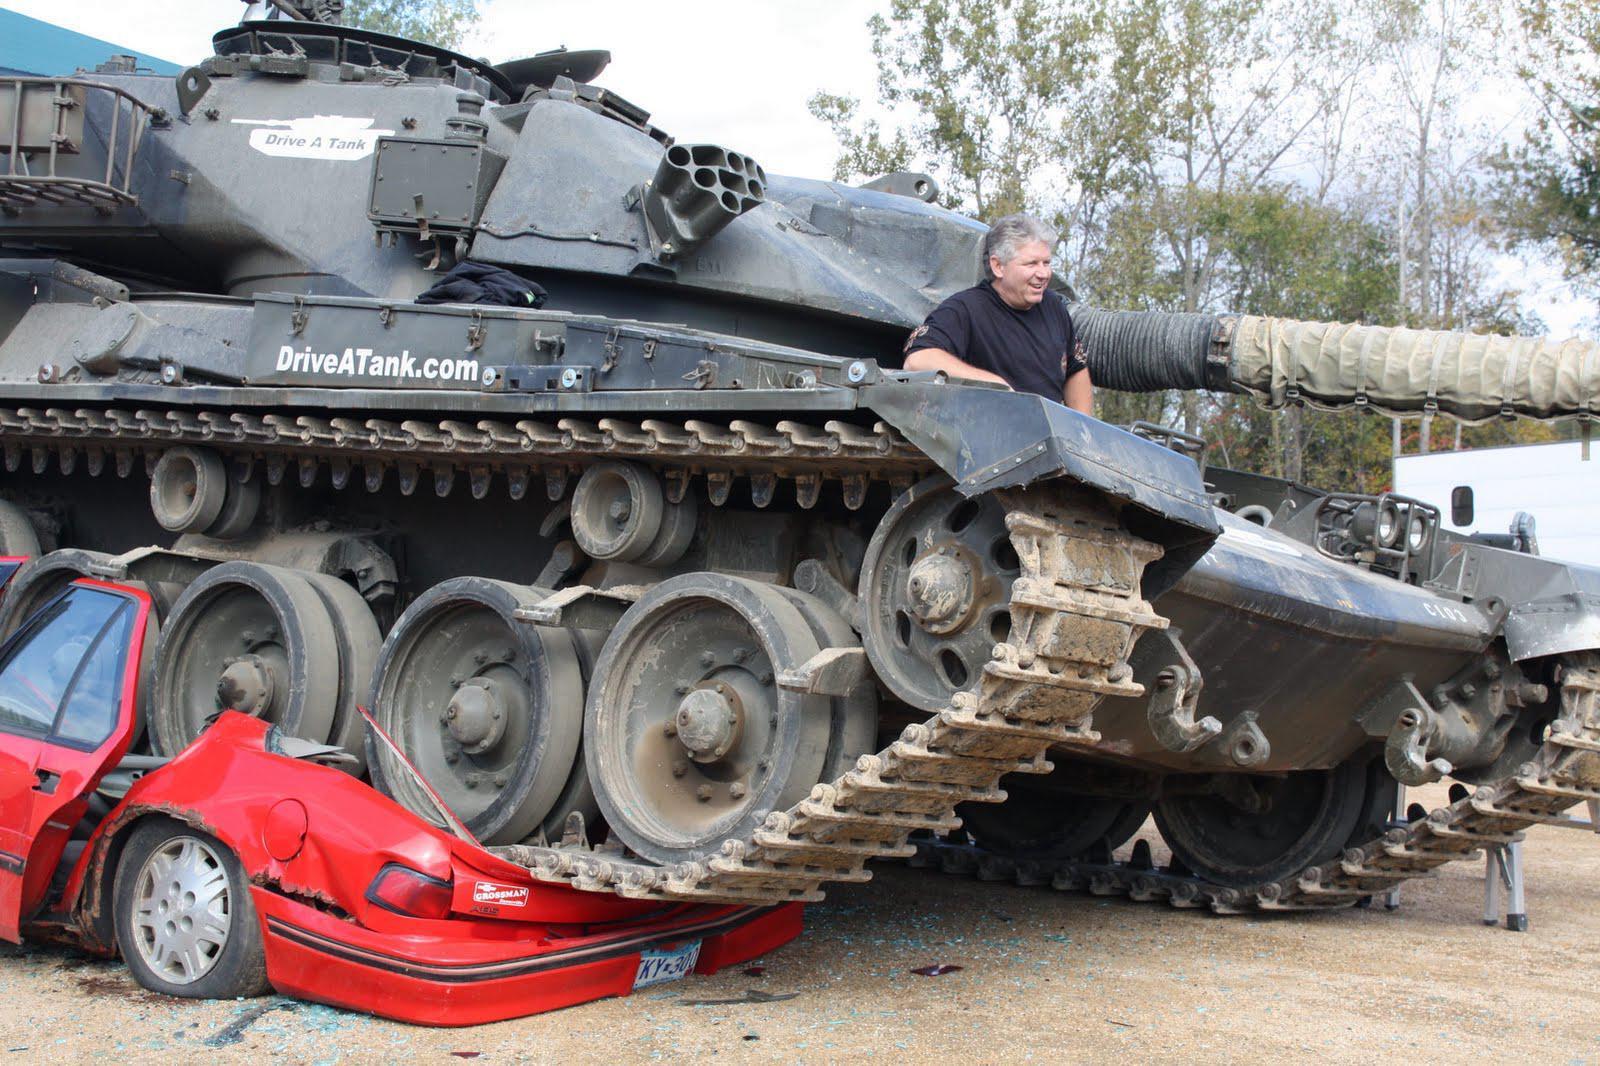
185	922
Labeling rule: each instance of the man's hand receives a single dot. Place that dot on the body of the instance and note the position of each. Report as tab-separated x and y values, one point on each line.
939	359
1079	393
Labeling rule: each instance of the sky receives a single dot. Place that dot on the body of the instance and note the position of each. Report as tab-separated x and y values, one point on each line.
736	75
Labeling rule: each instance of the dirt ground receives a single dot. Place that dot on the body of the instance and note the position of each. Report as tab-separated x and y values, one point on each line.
1044	975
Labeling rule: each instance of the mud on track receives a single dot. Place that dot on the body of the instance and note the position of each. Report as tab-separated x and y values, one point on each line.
1048	976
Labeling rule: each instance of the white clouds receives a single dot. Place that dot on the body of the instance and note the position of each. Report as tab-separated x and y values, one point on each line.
736	74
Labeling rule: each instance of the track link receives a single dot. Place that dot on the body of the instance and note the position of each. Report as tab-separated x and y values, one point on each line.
1075	615
1565	772
422	451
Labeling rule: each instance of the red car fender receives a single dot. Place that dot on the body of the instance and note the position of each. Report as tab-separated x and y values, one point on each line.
256	802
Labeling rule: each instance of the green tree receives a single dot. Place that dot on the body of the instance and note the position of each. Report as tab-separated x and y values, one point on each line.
442	22
1550	189
986	92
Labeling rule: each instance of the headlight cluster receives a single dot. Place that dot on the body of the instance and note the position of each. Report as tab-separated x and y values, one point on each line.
1388	533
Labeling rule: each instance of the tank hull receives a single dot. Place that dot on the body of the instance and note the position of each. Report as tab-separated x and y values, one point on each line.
1301	643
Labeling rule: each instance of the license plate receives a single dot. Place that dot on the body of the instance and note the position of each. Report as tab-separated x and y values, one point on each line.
659	967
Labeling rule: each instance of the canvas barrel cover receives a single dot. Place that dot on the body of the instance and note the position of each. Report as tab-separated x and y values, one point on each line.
1468	375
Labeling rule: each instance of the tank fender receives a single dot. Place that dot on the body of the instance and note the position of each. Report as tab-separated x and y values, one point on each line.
989	438
1551	607
1554	626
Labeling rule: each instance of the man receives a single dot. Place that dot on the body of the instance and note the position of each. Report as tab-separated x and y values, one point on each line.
1009	328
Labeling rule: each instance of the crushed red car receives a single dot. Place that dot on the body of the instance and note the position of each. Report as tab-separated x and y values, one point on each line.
248	863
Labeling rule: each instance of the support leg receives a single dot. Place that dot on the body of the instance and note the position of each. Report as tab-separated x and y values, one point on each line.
1493	875
1503	876
1391	898
1516	906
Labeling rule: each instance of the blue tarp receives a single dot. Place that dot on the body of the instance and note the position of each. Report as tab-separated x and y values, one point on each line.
30	46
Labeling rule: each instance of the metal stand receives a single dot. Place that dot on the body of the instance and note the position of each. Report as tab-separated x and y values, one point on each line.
1391	898
1503	873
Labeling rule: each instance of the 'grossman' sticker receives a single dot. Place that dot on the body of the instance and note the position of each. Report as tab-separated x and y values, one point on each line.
501	895
339	137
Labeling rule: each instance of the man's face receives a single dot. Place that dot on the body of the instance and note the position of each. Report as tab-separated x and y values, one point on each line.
1021	282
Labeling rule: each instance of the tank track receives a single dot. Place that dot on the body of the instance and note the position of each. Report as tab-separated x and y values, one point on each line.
415	449
1076	613
1564	772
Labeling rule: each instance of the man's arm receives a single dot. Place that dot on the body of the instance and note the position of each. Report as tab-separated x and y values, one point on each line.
1079	393
939	359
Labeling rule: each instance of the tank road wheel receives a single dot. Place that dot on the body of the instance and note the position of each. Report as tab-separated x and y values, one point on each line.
251	638
688	737
1262	829
853	725
488	709
17	535
935	584
359	641
1041	819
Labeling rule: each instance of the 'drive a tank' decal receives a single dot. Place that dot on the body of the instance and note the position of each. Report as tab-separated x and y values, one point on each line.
337	137
364	365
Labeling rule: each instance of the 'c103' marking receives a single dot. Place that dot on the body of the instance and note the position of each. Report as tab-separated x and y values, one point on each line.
366	363
1447	612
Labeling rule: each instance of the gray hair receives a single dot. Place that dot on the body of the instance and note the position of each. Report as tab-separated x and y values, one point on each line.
1009	234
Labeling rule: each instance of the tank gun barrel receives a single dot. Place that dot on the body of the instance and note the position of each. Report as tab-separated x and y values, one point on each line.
1470	376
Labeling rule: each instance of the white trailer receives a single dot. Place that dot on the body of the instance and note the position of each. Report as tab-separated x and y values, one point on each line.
1556	483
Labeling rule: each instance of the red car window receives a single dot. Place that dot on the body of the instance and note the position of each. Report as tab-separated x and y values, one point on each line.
63	678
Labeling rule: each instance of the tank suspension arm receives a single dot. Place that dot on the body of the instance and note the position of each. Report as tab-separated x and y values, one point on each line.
1471	377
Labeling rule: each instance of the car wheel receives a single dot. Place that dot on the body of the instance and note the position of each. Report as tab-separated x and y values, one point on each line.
185	923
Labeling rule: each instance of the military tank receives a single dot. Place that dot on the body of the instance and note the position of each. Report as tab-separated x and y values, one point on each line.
661	576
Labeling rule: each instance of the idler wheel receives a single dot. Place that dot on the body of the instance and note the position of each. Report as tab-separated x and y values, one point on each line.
617	510
188	489
689	739
17	535
1258	829
1042	818
239	507
488	709
252	638
677	530
935	588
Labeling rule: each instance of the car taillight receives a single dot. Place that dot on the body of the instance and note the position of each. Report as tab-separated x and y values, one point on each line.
410	892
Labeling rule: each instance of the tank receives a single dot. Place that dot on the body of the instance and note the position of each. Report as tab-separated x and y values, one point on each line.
658	572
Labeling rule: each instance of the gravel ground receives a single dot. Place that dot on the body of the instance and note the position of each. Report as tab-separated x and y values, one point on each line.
1043	975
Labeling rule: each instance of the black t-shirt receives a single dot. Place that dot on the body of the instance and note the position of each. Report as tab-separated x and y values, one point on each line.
1035	350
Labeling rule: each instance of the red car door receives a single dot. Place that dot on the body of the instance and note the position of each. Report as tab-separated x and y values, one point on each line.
68	683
